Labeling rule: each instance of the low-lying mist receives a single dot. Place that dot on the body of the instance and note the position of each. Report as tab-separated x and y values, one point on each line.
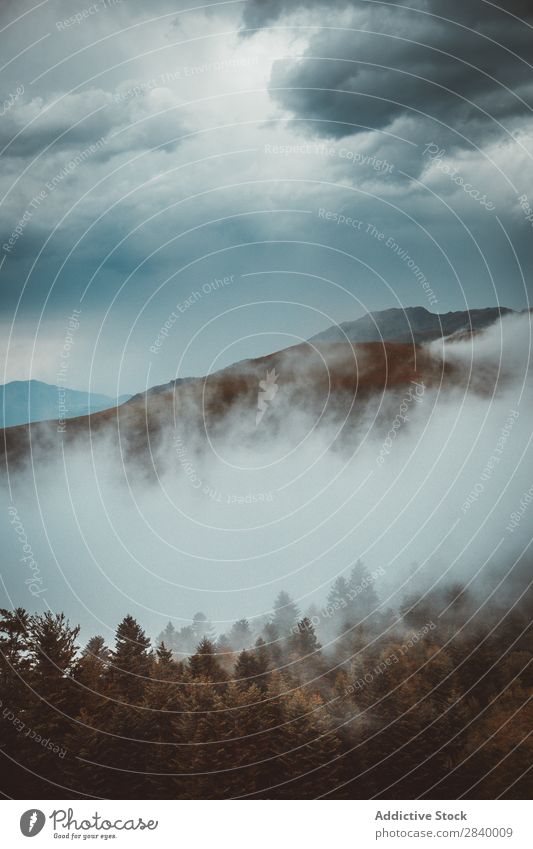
284	485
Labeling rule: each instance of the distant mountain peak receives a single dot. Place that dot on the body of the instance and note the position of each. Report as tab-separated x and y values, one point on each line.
23	401
410	324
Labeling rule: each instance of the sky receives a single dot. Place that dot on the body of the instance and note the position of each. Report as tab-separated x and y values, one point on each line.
184	188
204	183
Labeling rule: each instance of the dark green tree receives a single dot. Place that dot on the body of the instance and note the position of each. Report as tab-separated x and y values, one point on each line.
131	661
53	651
304	643
285	614
204	662
14	639
93	665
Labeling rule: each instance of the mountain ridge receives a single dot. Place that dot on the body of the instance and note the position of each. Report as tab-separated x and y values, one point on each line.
410	324
221	388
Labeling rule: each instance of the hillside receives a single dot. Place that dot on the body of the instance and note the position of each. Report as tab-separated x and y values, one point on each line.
328	382
412	324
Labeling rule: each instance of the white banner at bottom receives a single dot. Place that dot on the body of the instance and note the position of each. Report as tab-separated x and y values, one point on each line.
267	824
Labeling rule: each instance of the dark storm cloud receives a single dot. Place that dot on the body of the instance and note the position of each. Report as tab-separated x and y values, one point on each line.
385	63
183	169
259	13
76	119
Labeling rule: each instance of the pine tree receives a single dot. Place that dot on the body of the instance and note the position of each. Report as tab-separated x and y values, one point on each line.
131	660
169	636
246	669
93	665
364	599
57	698
240	636
304	643
15	696
164	699
225	654
14	637
97	649
305	649
285	614
338	595
164	657
338	609
262	656
185	642
110	727
204	663
273	644
202	627
53	650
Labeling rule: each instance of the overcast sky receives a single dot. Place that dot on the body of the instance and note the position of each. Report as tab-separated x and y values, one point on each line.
192	169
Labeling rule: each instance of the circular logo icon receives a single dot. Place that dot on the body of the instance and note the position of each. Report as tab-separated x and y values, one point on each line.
32	822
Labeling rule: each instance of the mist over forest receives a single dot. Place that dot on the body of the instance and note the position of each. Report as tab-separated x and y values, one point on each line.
365	649
183	503
266	401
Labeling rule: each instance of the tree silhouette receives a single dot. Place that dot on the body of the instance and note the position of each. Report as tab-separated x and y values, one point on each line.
204	662
131	661
398	712
285	614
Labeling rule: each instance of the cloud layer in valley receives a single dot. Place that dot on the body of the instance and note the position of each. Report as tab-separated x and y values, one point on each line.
423	484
